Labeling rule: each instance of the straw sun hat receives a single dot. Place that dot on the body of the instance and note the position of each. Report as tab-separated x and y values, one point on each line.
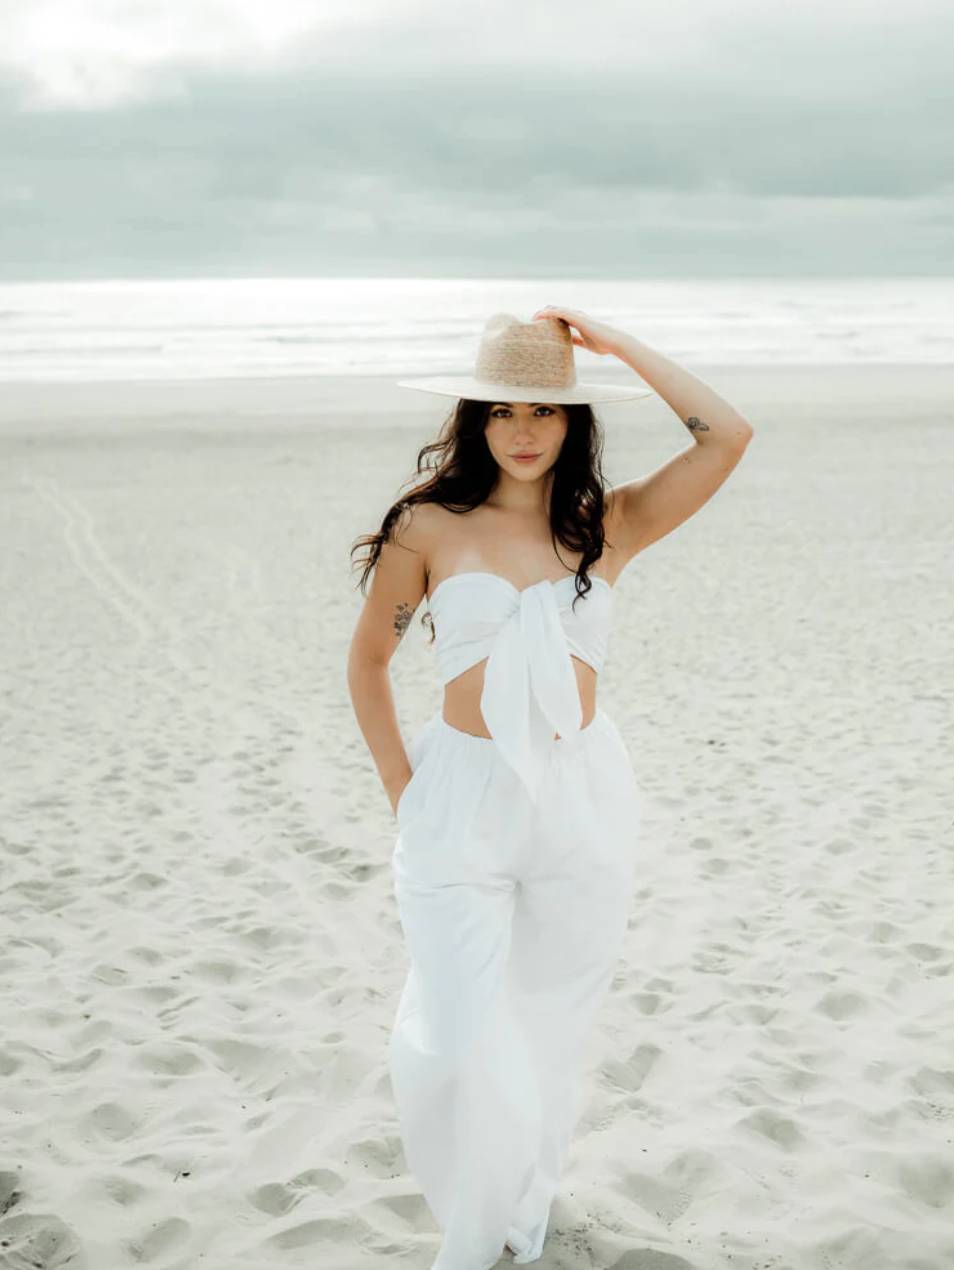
524	361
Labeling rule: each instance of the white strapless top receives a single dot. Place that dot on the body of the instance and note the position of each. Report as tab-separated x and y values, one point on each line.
530	690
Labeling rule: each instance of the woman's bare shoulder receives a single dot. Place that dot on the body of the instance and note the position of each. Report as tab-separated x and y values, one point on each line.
613	560
610	509
421	528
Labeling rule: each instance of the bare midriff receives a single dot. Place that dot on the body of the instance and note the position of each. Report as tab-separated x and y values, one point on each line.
462	697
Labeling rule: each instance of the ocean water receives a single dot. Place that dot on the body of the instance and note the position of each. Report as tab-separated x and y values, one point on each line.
208	328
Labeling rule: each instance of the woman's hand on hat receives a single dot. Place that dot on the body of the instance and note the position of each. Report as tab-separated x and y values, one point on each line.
598	337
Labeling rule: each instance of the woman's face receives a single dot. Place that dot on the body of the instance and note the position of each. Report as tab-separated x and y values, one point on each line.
522	427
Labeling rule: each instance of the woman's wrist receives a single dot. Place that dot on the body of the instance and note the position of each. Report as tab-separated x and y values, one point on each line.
625	346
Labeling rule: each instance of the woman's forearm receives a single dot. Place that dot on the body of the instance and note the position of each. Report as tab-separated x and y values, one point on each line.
369	684
709	417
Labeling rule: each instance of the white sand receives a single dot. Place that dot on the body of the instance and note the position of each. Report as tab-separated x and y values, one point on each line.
201	953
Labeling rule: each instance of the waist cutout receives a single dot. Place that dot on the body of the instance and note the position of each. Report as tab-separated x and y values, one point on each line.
527	638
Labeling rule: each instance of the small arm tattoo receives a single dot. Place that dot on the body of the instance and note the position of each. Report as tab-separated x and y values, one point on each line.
696	425
402	619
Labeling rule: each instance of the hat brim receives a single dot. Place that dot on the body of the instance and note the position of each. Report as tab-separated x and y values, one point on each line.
480	390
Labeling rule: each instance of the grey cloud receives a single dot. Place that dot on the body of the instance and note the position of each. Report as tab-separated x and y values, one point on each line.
309	168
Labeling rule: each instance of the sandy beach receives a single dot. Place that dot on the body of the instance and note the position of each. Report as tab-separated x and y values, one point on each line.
201	952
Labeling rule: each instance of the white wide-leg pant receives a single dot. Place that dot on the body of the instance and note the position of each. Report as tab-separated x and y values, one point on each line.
514	914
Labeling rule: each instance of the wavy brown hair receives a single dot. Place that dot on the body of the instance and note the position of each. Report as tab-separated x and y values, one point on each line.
460	472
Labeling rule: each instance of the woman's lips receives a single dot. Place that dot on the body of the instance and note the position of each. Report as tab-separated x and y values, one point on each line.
525	458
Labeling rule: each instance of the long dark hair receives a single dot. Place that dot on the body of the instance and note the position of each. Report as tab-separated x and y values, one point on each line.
461	472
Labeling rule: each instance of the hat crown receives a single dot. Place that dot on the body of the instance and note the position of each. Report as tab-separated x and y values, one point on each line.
536	354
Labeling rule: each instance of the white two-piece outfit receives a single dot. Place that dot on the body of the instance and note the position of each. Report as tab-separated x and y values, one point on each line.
512	874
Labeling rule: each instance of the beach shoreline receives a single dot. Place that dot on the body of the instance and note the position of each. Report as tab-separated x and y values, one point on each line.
237	402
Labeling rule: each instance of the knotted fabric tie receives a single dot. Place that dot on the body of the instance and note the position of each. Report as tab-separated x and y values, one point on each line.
530	689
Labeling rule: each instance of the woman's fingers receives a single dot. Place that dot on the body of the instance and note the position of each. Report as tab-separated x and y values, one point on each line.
574	318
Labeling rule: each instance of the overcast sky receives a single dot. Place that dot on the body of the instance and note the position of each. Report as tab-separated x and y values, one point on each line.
598	138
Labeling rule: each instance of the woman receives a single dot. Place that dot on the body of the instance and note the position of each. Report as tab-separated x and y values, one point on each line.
517	808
